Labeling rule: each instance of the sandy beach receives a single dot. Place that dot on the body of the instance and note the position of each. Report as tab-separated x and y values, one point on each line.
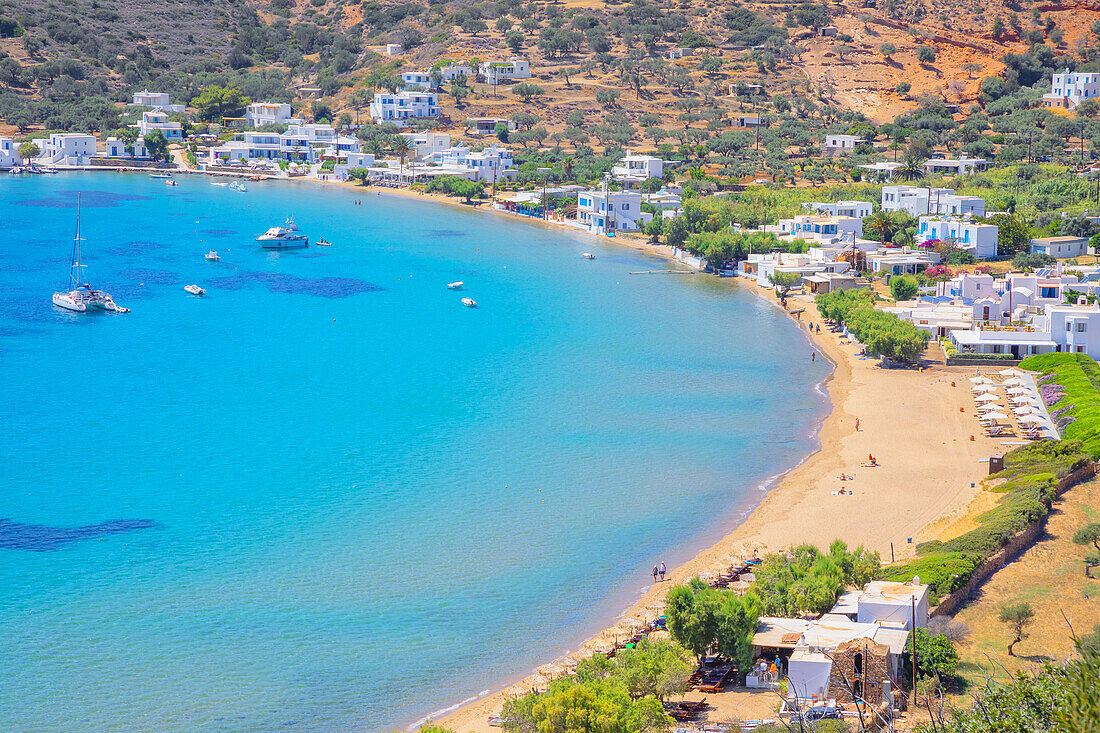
929	471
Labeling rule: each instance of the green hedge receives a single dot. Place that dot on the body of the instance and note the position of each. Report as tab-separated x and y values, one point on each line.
943	573
1079	376
882	333
1031	476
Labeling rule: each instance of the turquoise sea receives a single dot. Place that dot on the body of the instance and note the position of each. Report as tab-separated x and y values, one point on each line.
327	497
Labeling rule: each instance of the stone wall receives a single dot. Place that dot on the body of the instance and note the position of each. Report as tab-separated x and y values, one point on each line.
1015	547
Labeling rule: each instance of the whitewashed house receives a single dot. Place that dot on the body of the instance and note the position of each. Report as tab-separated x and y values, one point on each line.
260	114
1069	89
1060	247
9	152
157	100
116	148
634	169
956	167
404	105
394	49
158	120
919	201
841	143
880	171
821	229
452	71
606	212
855	209
310	143
423	145
496	72
976	238
67	148
417	80
492	164
487	125
360	160
249	146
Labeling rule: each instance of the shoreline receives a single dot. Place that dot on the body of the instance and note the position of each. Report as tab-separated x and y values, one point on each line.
795	506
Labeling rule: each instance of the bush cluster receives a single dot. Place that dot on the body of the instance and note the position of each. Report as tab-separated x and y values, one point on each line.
883	333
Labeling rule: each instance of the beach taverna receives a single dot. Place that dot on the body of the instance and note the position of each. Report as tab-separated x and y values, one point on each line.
853	651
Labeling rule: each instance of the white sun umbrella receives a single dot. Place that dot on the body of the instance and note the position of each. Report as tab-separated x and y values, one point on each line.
1013	382
994	416
983	388
1031	419
981	380
1025	410
1007	372
1018	390
987	398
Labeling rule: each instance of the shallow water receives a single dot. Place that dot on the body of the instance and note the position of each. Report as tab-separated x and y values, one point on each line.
326	496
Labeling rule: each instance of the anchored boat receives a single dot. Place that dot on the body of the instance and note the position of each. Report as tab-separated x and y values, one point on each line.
82	296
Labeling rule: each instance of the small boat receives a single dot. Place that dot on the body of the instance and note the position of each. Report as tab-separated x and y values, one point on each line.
160	175
82	296
469	302
455	285
170	182
588	255
238	186
16	170
219	183
194	289
212	256
284	237
322	242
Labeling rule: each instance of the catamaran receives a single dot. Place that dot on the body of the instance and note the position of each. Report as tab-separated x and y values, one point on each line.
81	296
284	237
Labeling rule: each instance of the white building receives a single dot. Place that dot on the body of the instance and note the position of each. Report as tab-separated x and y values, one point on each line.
249	146
856	209
487	125
496	72
423	145
841	143
158	120
1050	328
821	229
9	152
1069	89
116	148
492	164
978	239
603	212
417	80
269	113
956	167
880	171
1060	247
394	49
633	169
360	160
452	71
919	201
312	142
404	105
157	100
67	148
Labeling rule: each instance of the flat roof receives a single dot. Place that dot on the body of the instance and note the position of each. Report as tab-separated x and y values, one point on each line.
1059	240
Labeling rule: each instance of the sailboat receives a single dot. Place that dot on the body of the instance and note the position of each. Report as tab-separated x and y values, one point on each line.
81	296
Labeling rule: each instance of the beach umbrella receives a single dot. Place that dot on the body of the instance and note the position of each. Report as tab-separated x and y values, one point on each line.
988	407
1025	410
980	380
538	682
1031	419
567	662
1013	382
550	670
517	691
984	388
631	624
995	416
1018	390
987	398
1007	372
708	576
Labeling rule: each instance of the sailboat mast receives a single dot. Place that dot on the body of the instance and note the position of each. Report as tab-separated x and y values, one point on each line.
74	271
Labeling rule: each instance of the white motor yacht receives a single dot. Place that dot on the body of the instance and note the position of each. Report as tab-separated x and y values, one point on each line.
283	237
194	289
82	296
455	285
588	255
212	256
469	302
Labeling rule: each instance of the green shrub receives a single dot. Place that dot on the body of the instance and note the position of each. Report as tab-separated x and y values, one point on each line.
1079	376
943	573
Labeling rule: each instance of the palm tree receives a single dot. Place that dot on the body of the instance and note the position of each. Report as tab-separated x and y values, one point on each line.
400	147
882	224
910	170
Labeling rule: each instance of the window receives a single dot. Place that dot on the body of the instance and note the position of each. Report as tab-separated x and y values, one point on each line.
1081	327
1080	349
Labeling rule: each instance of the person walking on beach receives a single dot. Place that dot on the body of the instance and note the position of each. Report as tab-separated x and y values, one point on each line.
663	570
857	424
655	571
813	357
